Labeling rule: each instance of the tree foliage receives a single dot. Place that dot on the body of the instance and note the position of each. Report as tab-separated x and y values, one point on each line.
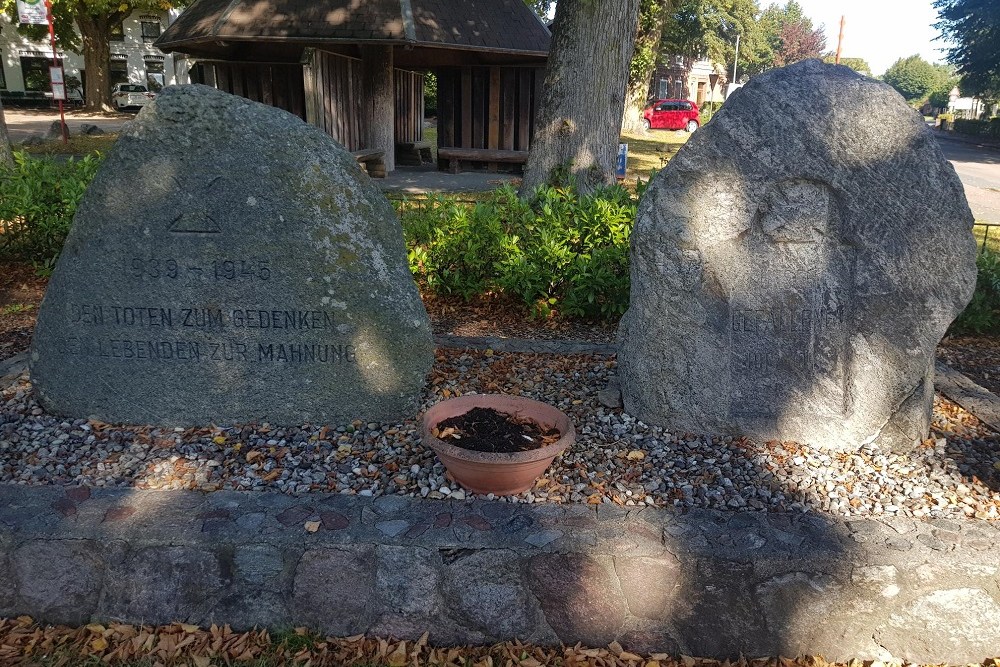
95	20
649	34
540	7
708	29
913	77
791	35
974	27
859	65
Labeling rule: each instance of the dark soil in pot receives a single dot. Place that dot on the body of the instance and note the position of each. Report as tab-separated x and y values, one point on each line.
488	430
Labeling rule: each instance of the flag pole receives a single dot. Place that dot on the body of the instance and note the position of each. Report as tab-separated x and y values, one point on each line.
840	39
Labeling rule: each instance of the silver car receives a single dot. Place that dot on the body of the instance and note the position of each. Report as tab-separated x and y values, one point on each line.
125	95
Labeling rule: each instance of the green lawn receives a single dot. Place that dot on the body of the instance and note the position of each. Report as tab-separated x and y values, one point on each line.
651	151
991	234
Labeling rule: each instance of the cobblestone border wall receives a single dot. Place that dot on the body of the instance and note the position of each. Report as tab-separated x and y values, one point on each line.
702	583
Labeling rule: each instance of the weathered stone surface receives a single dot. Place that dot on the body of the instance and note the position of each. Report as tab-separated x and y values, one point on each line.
258	563
8	592
794	267
580	597
717	612
408	579
249	608
230	263
961	623
650	585
58	581
163	585
333	588
485	591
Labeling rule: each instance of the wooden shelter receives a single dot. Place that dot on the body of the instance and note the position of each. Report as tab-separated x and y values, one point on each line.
355	68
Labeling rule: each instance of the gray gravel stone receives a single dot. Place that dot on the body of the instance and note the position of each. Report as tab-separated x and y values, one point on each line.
794	267
265	280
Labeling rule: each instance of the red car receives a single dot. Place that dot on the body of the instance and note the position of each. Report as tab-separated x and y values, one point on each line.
671	115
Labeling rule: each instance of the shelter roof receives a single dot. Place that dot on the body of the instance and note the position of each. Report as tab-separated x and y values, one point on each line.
494	26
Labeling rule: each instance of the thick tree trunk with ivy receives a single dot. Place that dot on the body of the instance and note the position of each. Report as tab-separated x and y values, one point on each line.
580	117
652	14
95	42
6	152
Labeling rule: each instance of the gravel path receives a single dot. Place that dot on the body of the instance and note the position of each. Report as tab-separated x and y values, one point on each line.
617	459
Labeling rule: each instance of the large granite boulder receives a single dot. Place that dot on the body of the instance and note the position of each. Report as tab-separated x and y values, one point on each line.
230	263
795	266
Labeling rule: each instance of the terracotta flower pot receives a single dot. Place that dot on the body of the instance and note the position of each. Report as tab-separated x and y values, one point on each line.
501	474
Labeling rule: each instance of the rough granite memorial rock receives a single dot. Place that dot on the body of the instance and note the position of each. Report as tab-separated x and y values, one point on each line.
795	266
230	263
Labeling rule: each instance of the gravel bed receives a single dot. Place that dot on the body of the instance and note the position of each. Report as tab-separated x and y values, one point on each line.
617	459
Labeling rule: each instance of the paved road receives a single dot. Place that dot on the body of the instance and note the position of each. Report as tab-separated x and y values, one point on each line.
22	123
979	169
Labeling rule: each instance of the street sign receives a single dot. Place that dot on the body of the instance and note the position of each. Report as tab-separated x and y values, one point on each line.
56	75
713	79
58	91
32	12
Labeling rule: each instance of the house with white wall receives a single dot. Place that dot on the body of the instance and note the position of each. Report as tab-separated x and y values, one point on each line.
24	63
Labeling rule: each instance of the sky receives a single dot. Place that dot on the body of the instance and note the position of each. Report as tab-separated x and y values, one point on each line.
880	31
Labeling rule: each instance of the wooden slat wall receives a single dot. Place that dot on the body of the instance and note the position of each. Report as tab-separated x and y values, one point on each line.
488	107
277	85
409	106
337	86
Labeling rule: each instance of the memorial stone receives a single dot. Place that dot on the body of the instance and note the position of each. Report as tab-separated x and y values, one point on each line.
230	263
795	266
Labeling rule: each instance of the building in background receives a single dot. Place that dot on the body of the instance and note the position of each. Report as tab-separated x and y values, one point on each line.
24	64
677	77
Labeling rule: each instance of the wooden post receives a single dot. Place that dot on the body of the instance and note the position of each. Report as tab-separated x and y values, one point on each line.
309	83
378	101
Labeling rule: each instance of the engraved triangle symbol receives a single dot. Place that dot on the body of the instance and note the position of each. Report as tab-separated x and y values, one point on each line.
195	223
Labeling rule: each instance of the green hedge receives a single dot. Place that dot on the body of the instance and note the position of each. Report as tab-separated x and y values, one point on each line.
38	199
559	251
982	315
979	128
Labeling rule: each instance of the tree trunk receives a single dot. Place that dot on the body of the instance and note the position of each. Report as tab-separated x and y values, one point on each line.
6	152
652	15
95	38
378	102
580	117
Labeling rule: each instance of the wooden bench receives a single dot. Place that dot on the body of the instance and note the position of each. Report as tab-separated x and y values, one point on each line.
373	160
414	153
488	155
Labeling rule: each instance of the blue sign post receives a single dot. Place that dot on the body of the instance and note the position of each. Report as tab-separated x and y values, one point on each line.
622	159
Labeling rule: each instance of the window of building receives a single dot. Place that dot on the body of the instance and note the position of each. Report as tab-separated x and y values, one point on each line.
150	31
118	33
154	75
118	69
662	90
35	71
